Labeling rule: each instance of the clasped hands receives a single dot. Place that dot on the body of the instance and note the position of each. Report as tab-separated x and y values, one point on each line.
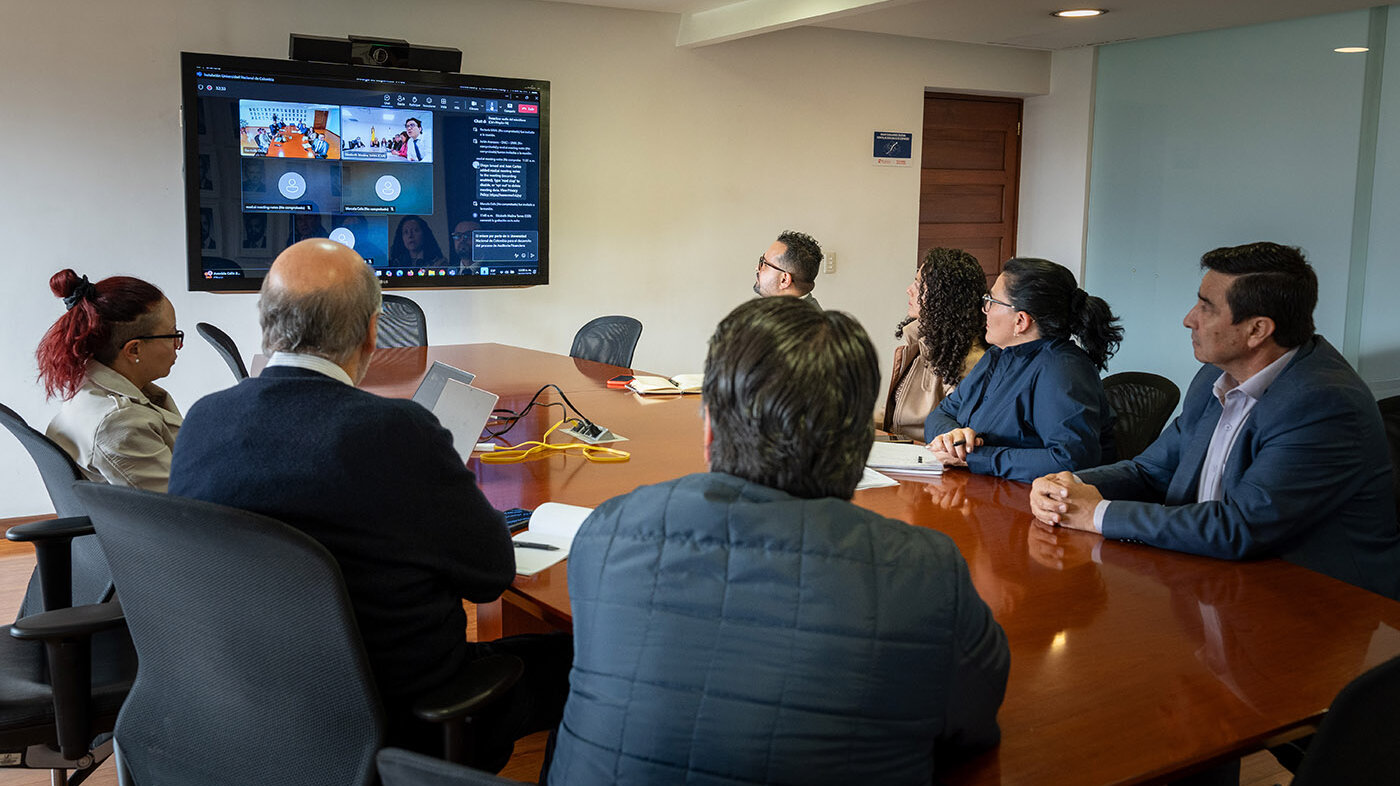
1063	500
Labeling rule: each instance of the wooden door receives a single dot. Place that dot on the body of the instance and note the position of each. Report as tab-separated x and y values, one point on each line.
970	170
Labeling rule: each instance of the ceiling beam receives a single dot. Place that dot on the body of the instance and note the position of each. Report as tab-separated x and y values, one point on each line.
754	17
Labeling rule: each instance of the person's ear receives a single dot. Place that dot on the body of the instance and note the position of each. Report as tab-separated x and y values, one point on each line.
1261	329
131	351
372	335
708	437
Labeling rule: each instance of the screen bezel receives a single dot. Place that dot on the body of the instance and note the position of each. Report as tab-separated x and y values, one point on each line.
374	78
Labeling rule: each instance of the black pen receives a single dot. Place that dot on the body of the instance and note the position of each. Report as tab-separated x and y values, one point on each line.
524	544
960	442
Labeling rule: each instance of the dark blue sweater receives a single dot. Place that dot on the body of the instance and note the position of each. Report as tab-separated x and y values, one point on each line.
1039	408
374	480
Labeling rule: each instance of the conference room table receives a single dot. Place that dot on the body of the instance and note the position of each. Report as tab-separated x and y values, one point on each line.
1129	664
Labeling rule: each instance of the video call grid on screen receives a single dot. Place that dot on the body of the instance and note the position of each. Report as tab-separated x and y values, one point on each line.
432	186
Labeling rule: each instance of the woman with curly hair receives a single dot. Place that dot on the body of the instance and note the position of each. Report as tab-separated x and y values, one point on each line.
102	357
1034	404
942	339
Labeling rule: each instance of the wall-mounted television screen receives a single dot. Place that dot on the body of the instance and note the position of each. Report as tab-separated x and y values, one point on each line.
437	180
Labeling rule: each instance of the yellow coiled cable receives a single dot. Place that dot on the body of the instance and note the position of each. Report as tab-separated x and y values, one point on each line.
540	448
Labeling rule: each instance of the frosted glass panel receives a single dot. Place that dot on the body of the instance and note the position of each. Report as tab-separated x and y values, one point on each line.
1380	318
1215	139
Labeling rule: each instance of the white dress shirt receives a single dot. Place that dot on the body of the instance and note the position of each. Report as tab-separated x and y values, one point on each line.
310	363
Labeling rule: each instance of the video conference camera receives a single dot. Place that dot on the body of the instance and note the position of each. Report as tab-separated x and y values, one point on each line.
364	50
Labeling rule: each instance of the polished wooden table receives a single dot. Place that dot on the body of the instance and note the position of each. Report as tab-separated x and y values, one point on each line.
1129	664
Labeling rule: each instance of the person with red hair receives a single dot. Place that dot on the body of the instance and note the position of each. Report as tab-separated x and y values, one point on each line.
102	358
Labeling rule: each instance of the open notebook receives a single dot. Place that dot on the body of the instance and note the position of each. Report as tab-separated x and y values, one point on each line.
553	525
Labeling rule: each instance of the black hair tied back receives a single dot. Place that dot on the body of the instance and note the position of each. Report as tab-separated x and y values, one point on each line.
1076	302
83	290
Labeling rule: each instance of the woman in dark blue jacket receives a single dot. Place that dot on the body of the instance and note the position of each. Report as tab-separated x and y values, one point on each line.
1034	404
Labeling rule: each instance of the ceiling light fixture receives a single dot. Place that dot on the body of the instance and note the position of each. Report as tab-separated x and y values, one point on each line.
1079	13
1351	50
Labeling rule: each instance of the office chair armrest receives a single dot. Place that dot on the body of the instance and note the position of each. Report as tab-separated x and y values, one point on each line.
50	529
482	683
67	636
70	623
53	551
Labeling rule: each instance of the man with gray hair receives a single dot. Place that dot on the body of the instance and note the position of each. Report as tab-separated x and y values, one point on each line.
377	482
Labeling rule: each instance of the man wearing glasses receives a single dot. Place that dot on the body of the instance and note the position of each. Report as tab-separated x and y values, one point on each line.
789	267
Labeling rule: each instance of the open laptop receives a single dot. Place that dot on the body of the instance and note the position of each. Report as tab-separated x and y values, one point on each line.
461	409
431	386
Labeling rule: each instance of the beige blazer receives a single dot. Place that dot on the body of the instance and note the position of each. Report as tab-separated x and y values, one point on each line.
116	433
914	388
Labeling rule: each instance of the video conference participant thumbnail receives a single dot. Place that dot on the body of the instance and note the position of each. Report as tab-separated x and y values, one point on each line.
280	185
367	235
282	129
392	135
385	188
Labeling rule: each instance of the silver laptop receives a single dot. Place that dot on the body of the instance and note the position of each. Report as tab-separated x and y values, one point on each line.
464	410
431	387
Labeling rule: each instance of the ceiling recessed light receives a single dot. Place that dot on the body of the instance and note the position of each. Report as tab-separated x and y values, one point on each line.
1079	13
1351	50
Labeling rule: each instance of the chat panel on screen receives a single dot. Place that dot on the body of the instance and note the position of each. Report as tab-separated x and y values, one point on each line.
283	129
383	134
287	185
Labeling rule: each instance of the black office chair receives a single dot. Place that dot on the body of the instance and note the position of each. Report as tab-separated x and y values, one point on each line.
64	674
398	767
223	344
1356	742
610	340
251	665
1390	414
83	577
1142	403
402	323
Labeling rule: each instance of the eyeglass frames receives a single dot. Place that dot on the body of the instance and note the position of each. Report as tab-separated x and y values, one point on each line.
178	335
988	300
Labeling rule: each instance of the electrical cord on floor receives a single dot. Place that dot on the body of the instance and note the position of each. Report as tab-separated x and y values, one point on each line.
541	448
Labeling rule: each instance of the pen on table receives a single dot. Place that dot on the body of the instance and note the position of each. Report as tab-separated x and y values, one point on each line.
524	544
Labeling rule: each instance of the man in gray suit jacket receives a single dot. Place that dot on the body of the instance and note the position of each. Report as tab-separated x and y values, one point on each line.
1279	450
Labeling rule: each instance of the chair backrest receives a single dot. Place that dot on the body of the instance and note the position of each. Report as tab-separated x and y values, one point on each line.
252	669
398	767
1390	413
223	344
610	339
402	323
92	581
1142	403
1356	742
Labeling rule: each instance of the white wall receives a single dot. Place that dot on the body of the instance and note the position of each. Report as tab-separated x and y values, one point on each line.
672	168
1055	143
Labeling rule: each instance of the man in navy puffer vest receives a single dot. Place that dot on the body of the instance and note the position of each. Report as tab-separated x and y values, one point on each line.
750	624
